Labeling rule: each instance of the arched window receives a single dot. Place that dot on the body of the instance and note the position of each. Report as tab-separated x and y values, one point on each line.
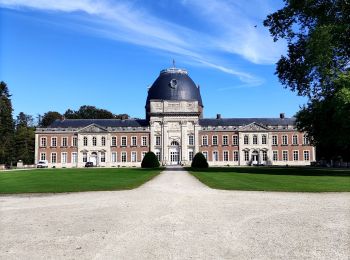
175	143
255	139
246	139
306	140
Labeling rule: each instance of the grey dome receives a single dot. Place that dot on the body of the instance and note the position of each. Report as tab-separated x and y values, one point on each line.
174	84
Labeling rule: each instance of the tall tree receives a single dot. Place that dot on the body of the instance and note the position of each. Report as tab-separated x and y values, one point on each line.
6	126
317	65
49	117
25	138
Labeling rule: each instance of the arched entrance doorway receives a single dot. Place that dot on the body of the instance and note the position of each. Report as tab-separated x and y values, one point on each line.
174	153
93	158
255	157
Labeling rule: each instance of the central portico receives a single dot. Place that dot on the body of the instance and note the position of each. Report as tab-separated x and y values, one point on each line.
173	107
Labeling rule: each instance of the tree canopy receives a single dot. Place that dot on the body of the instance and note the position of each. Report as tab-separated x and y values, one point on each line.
92	112
25	138
317	65
49	117
7	152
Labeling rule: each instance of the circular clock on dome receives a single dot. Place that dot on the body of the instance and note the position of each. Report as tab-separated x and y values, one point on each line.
173	83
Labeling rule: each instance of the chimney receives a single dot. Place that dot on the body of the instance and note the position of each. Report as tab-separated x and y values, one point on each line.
281	115
218	116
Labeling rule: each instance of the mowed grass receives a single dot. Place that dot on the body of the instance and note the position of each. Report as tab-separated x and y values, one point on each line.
301	179
74	180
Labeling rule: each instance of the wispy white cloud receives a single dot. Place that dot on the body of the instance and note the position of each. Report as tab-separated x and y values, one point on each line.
239	28
124	21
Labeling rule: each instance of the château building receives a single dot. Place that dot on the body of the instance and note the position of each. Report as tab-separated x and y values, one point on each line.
175	130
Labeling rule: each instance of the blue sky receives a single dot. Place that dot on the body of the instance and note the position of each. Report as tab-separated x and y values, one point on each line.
60	54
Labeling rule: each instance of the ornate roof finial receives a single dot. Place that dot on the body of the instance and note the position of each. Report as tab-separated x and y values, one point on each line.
174	63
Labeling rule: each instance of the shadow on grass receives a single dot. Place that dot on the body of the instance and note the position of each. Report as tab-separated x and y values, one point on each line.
296	171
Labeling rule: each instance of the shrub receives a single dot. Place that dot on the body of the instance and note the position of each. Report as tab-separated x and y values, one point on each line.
150	161
199	161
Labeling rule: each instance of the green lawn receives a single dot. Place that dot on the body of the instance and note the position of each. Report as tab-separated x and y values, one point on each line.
72	180
301	179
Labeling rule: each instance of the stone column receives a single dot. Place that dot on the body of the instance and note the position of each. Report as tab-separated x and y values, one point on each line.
151	137
165	142
196	137
184	155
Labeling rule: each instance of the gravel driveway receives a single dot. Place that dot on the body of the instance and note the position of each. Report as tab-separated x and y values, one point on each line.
174	216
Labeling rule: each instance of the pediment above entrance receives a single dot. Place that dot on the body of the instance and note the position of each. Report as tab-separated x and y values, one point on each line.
93	128
253	127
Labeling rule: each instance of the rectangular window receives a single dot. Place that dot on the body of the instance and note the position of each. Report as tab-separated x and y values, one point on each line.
143	154
114	157
235	156
225	140
144	140
235	140
75	141
54	141
295	140
157	140
284	140
306	156
63	157
123	142
215	140
225	156
190	155
246	139
274	140
103	157
255	139
264	155
190	140
246	156
275	155
204	140
123	159
158	154
64	141
84	157
133	157
43	141
74	157
215	156
94	141
85	141
103	141
263	139
43	156
205	155
114	141
295	155
133	141
53	157
306	140
285	155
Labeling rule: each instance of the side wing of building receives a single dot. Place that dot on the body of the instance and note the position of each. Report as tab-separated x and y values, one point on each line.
254	141
105	143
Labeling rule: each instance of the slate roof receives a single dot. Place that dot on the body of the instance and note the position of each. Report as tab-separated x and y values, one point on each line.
78	123
184	89
245	121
